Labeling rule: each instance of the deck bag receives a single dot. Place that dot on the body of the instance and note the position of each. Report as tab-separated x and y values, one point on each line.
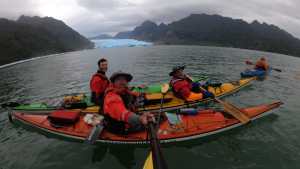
64	117
75	102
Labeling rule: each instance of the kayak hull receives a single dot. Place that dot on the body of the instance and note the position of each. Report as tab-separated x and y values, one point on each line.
205	123
254	73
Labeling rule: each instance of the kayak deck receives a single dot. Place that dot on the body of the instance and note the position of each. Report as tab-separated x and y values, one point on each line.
206	122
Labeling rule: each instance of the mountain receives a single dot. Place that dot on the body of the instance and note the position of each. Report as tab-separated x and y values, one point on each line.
101	36
216	30
35	36
123	35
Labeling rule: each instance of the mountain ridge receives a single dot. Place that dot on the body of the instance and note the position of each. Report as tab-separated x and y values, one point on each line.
216	30
29	37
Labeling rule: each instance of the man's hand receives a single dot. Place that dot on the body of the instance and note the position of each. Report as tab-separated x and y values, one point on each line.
146	118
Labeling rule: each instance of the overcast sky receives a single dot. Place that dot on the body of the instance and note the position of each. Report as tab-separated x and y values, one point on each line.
93	17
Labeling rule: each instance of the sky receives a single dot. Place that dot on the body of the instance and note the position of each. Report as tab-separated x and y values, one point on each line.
94	17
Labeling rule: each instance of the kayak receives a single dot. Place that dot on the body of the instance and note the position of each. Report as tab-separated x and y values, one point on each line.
219	90
152	102
174	127
149	89
254	73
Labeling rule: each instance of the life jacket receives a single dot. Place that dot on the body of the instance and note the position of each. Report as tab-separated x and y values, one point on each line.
97	98
261	65
115	126
185	85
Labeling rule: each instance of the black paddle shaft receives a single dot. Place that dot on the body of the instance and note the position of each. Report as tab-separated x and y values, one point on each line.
158	159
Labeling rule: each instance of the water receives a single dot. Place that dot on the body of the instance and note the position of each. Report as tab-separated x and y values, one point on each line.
272	142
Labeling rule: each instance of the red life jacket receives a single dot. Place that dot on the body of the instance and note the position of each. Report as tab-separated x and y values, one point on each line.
98	84
261	65
117	107
181	87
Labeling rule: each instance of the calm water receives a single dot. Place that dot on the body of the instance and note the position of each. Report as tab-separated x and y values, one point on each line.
272	142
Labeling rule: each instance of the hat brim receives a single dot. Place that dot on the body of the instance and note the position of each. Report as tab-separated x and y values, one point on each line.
126	75
174	70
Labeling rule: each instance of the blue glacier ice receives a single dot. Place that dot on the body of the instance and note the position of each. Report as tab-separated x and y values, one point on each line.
112	43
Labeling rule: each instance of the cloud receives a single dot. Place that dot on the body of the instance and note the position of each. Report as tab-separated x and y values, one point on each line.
101	5
12	9
92	17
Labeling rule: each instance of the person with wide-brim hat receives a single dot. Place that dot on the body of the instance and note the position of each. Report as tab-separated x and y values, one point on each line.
118	74
183	86
119	112
176	69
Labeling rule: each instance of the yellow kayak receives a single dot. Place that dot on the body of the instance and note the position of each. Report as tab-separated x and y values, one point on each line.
152	101
172	102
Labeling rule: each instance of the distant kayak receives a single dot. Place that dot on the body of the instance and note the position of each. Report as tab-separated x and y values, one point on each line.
254	72
174	127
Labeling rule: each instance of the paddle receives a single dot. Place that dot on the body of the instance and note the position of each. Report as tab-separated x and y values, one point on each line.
164	89
155	159
95	132
231	109
251	63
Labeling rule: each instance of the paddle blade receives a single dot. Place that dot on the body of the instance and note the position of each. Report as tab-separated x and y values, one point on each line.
278	70
149	162
94	134
165	87
10	105
234	111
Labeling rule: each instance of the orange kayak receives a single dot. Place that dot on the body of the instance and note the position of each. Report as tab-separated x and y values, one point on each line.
188	127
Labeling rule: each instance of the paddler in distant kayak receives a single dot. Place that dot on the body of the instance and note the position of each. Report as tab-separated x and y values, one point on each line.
183	86
119	107
99	82
262	64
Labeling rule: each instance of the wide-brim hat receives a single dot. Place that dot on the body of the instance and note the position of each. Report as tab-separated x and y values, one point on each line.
175	69
120	73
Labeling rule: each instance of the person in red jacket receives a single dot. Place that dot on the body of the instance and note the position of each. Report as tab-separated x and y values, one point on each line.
183	86
99	82
118	108
262	64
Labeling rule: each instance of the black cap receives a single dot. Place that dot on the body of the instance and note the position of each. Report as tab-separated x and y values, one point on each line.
120	73
175	69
